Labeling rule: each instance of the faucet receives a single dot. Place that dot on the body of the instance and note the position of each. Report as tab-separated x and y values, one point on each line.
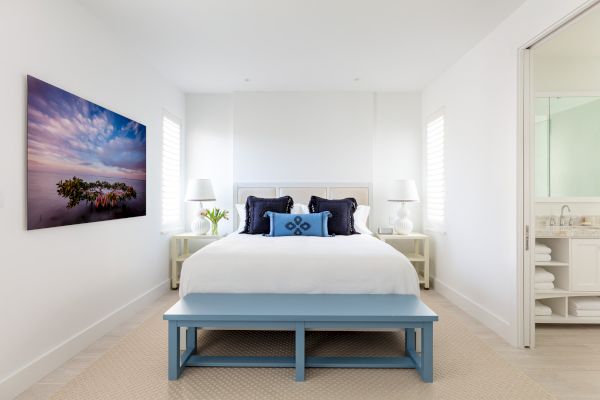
562	216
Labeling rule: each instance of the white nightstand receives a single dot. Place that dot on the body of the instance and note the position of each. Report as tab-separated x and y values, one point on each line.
180	252
420	253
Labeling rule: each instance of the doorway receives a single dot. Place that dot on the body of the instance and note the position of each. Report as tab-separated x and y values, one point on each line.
559	254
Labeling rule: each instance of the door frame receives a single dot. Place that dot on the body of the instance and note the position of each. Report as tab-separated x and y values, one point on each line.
525	177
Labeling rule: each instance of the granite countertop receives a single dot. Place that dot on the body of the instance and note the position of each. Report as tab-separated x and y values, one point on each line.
568	232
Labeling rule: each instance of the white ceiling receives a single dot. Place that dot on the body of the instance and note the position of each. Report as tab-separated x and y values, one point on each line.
581	38
235	45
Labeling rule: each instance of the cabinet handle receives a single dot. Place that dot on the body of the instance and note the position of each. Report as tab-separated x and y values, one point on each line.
526	237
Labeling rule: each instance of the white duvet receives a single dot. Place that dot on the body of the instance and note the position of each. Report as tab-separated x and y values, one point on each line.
241	263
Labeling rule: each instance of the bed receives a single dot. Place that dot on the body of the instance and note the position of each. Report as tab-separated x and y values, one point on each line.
356	264
257	282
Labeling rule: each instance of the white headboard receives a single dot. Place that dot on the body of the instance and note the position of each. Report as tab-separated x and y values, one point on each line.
301	192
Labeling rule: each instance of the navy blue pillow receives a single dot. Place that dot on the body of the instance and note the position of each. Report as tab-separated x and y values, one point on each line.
256	222
342	214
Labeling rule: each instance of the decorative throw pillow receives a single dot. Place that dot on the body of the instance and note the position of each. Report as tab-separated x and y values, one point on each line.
256	207
342	213
298	224
241	210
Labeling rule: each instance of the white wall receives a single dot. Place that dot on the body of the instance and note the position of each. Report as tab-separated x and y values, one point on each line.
209	149
574	74
56	283
305	137
476	259
397	152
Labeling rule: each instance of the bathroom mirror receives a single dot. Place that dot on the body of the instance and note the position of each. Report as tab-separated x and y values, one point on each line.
567	146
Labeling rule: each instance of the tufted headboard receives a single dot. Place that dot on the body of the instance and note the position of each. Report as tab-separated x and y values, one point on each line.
301	192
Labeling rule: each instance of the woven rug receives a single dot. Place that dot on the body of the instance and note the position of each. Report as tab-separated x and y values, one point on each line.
464	368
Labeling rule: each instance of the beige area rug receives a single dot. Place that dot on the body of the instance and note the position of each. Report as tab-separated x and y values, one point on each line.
464	368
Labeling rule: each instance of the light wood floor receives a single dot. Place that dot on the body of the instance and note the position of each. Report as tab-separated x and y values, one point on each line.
566	361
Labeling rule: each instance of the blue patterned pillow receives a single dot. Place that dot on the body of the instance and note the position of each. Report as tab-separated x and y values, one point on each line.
298	224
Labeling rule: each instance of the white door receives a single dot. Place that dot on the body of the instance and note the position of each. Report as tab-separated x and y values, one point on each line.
585	265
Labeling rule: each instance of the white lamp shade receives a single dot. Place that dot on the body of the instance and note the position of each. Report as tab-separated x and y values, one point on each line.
199	190
403	190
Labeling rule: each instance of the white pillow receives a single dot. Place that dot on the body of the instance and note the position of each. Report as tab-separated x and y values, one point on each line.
241	210
360	220
300	209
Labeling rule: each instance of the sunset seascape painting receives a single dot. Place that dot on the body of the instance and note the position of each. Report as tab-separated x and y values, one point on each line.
84	163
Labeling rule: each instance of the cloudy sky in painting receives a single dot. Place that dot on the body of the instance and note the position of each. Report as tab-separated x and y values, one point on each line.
69	135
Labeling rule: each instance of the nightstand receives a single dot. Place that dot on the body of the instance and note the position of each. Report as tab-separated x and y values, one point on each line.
180	250
419	255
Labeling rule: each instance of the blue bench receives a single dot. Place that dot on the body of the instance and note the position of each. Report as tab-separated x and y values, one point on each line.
299	312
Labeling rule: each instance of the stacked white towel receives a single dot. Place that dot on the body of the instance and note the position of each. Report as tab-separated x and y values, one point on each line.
544	286
542	252
542	310
544	280
584	306
542	249
543	257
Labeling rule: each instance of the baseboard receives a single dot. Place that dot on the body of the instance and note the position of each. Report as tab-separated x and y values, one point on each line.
24	377
480	313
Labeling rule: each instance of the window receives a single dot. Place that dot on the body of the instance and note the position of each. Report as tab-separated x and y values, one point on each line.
171	174
435	197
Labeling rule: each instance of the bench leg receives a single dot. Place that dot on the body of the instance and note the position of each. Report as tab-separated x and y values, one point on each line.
427	353
174	366
409	340
300	352
191	339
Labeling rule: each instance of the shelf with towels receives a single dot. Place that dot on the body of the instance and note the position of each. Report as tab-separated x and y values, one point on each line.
557	266
551	282
550	308
552	253
574	263
559	303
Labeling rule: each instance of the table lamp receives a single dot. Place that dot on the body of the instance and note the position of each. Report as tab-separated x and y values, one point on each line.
403	191
200	190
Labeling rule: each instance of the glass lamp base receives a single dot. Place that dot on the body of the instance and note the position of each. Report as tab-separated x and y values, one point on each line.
403	225
201	226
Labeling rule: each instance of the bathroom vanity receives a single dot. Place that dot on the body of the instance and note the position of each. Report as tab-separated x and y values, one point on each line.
576	267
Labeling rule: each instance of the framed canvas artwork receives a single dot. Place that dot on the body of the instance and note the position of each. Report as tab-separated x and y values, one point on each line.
84	163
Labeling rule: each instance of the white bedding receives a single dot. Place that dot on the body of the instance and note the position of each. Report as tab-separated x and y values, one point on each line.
241	263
